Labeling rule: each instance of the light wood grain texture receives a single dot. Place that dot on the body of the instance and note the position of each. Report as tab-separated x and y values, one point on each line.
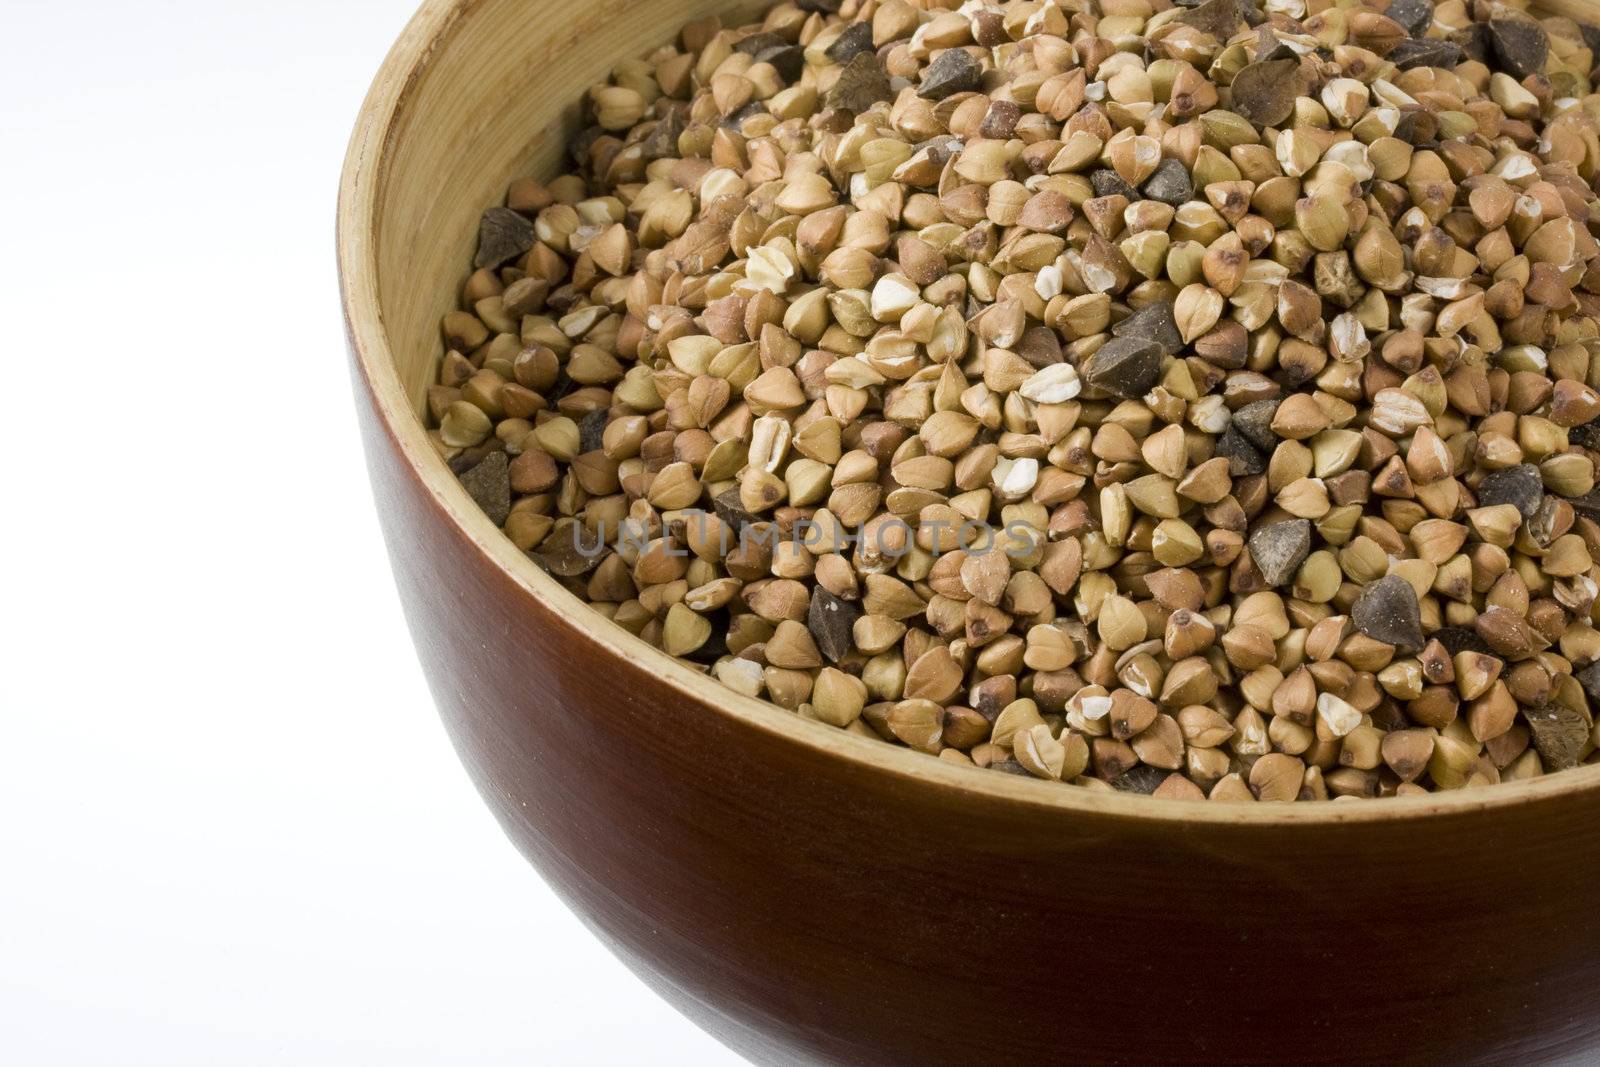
810	896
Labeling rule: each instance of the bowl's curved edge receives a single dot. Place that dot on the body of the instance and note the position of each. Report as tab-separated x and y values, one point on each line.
357	224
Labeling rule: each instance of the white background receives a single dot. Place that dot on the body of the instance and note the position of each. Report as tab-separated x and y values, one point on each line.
231	828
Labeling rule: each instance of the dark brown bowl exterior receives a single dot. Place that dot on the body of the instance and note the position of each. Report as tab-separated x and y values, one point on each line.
814	897
807	910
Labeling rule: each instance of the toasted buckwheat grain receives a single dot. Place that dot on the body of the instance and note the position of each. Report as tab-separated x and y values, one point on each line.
1192	400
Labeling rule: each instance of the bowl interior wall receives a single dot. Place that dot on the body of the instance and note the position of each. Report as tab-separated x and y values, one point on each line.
479	92
497	100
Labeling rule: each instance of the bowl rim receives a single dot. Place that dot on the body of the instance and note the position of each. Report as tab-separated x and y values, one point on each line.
358	221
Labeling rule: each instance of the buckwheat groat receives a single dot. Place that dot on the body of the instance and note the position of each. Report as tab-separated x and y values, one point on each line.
1190	400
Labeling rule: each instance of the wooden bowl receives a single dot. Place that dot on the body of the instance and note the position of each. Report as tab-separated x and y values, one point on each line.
810	896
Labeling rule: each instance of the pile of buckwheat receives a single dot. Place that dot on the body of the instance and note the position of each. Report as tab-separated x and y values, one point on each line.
1189	400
